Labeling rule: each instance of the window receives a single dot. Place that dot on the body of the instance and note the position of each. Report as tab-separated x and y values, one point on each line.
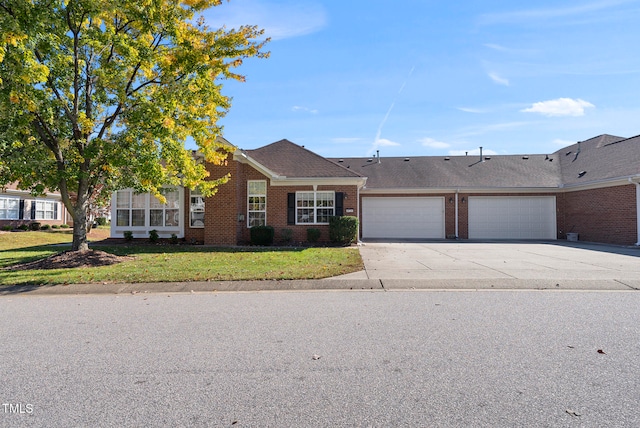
46	210
167	214
314	207
130	208
9	208
196	209
257	203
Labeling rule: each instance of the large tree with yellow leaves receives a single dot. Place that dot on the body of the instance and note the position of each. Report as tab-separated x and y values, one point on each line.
97	95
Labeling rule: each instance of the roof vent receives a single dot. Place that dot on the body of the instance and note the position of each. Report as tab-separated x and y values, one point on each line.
340	160
546	157
567	154
369	160
447	158
550	159
581	174
487	157
525	157
406	159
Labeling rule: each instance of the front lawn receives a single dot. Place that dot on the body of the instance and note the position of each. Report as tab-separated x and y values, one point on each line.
162	263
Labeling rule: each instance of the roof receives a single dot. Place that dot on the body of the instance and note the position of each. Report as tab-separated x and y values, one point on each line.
513	171
293	161
600	158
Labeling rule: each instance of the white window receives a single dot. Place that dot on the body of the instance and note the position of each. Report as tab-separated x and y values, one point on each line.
257	203
46	210
130	208
196	209
167	214
9	208
314	207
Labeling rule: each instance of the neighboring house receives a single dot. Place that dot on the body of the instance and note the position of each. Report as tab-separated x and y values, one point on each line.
18	207
591	188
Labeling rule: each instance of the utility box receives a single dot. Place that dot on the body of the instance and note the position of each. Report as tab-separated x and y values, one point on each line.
572	237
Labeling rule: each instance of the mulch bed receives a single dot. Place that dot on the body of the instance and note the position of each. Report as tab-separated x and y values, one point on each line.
72	259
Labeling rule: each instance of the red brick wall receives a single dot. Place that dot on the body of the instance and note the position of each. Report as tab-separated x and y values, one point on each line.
606	215
226	211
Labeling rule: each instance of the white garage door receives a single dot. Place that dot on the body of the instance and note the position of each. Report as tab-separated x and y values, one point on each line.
403	217
511	217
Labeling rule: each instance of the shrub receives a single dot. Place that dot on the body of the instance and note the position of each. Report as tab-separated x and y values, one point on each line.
45	227
313	235
7	228
35	225
101	221
262	235
23	227
153	235
286	235
64	226
174	239
55	226
343	230
128	235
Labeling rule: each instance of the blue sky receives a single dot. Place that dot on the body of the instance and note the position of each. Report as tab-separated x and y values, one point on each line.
422	77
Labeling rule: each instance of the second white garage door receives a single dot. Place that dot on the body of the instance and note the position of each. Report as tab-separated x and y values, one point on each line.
512	217
403	217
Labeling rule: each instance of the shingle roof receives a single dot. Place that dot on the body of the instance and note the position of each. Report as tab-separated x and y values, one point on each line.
293	161
513	171
600	158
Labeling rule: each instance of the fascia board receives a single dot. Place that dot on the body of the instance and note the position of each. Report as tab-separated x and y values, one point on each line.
423	190
328	181
598	184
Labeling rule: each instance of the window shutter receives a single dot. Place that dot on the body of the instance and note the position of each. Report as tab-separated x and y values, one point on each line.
21	212
33	210
339	204
291	208
55	210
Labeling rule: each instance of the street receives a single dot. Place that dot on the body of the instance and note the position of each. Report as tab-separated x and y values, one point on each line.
321	358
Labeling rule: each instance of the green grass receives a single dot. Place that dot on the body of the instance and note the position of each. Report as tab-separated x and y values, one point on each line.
173	263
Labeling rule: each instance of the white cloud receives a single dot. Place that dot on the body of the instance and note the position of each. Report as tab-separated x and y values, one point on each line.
280	20
471	110
560	107
549	13
563	143
498	79
383	142
434	144
304	109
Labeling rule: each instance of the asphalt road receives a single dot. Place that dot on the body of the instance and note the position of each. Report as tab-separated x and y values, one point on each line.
324	358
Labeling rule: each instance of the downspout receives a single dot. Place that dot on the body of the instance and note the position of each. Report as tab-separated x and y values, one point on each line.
637	183
359	214
456	219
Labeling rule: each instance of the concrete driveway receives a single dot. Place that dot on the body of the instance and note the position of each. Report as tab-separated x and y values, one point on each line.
545	265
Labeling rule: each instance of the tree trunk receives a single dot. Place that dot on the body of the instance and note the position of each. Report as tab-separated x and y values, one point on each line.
80	242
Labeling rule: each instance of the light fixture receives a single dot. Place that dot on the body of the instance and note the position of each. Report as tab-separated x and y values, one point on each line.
463	199
450	200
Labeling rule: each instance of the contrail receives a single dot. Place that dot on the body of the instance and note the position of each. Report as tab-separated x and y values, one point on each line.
386	116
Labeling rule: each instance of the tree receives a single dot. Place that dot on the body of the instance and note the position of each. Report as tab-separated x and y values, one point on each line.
97	95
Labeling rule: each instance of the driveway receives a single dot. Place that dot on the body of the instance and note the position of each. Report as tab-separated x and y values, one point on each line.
557	264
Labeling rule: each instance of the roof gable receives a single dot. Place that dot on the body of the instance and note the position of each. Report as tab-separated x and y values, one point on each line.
290	160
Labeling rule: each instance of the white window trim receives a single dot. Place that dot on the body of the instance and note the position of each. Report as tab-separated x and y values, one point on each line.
249	195
11	198
142	231
196	193
54	209
314	207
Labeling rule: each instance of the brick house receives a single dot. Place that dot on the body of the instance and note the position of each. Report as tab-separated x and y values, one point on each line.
18	207
589	190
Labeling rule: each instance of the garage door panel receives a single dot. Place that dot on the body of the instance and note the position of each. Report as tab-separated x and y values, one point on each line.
527	217
403	217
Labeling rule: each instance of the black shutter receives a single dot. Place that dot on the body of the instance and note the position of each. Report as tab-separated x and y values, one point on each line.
55	211
291	208
33	210
339	204
21	212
